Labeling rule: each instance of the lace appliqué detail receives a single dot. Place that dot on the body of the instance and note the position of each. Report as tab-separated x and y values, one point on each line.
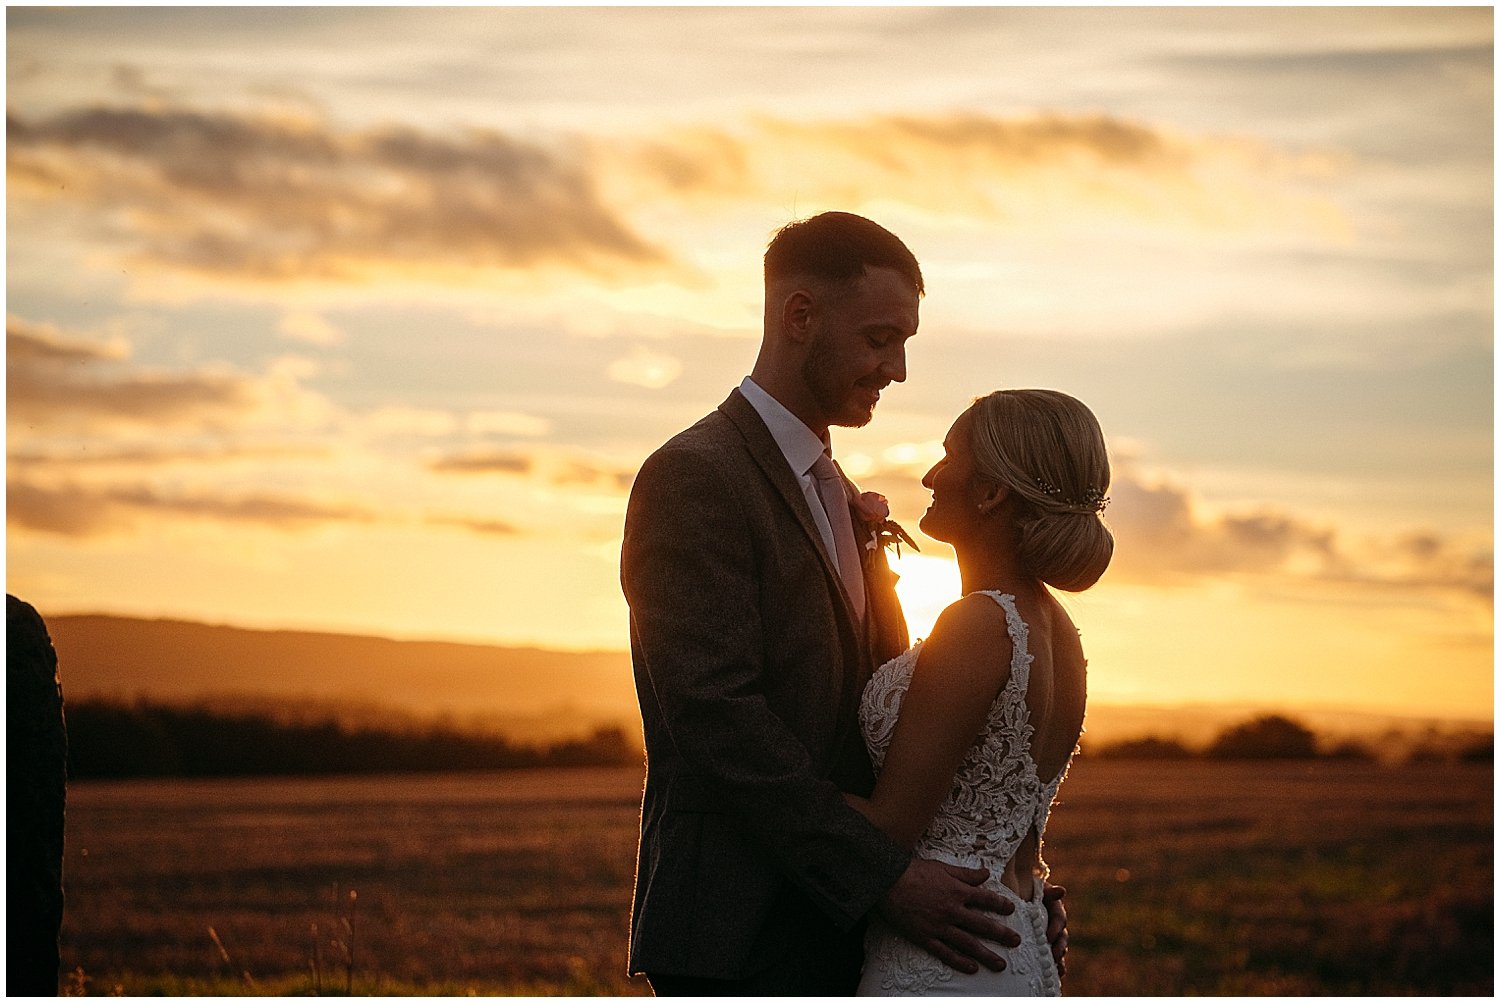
996	801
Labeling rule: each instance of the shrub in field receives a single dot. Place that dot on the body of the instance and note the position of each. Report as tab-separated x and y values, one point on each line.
1149	747
1481	750
1465	747
1351	749
1269	737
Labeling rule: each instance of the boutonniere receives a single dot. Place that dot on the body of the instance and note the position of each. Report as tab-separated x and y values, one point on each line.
875	514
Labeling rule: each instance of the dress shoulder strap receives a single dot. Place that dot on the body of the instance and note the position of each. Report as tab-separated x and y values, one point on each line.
1016	707
1020	658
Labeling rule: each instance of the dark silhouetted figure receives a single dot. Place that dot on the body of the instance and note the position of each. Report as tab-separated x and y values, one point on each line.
35	784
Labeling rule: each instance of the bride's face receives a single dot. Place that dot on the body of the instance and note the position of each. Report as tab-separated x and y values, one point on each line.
954	507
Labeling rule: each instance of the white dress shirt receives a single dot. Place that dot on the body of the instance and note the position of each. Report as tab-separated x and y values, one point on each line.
801	448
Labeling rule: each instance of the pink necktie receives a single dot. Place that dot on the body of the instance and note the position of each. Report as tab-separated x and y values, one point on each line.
836	505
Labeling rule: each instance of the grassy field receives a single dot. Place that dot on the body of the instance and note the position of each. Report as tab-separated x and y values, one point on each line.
1319	878
1184	878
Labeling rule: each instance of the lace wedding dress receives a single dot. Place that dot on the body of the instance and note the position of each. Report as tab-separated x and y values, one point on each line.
996	801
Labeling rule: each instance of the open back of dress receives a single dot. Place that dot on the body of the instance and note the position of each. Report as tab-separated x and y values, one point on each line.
996	802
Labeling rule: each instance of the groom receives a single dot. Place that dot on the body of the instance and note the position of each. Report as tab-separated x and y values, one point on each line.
756	617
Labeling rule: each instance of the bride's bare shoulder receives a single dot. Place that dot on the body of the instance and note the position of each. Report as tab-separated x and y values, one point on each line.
974	618
972	625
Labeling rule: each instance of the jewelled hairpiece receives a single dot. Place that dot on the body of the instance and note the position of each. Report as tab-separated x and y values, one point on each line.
1094	500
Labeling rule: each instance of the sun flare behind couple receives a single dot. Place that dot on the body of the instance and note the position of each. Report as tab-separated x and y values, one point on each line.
828	808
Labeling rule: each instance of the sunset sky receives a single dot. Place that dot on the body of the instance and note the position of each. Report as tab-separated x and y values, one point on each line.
362	319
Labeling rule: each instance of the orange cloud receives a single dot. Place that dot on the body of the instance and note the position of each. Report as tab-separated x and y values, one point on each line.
156	455
588	472
264	198
556	467
77	510
260	197
1164	535
1045	167
484	527
28	344
55	379
483	462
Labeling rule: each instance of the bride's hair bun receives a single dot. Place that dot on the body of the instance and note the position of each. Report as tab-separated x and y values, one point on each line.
1048	449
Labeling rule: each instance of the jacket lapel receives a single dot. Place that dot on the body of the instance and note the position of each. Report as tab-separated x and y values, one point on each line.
882	630
772	462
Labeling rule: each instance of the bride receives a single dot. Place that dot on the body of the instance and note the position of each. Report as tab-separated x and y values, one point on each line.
972	730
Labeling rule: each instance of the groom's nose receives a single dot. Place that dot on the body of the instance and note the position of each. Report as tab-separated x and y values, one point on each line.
893	366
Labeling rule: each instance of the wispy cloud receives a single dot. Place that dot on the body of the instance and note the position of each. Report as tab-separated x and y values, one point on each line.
52	377
55	379
560	467
158	455
78	510
275	198
589	473
1165	534
487	461
83	510
102	446
483	527
29	344
1035	168
240	197
1162	532
405	421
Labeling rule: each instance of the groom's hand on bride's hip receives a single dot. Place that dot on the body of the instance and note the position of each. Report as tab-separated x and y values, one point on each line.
947	911
1057	924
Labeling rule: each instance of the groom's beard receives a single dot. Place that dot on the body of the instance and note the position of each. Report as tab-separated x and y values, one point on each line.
840	402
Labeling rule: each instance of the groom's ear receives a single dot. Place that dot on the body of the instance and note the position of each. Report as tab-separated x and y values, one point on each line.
796	315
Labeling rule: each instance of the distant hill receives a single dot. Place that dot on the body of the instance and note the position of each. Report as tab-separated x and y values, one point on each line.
528	693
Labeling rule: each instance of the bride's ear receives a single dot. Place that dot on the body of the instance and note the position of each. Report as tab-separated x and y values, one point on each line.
992	496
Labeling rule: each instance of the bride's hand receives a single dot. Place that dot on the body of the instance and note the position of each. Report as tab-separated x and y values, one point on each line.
947	912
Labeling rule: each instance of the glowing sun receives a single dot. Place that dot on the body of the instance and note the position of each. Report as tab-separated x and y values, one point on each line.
927	585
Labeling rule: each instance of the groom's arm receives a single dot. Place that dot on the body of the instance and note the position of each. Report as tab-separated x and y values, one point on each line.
692	578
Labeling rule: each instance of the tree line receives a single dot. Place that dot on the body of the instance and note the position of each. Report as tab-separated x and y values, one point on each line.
112	740
145	739
1274	736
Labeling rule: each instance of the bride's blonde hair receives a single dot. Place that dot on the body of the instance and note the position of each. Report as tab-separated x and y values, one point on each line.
1048	449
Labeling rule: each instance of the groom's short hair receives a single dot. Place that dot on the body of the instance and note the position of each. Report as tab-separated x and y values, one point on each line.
838	247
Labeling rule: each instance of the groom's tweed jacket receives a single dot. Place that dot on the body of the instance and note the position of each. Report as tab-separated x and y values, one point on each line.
749	665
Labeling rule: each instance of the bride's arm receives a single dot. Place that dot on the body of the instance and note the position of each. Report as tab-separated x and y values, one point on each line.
960	670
